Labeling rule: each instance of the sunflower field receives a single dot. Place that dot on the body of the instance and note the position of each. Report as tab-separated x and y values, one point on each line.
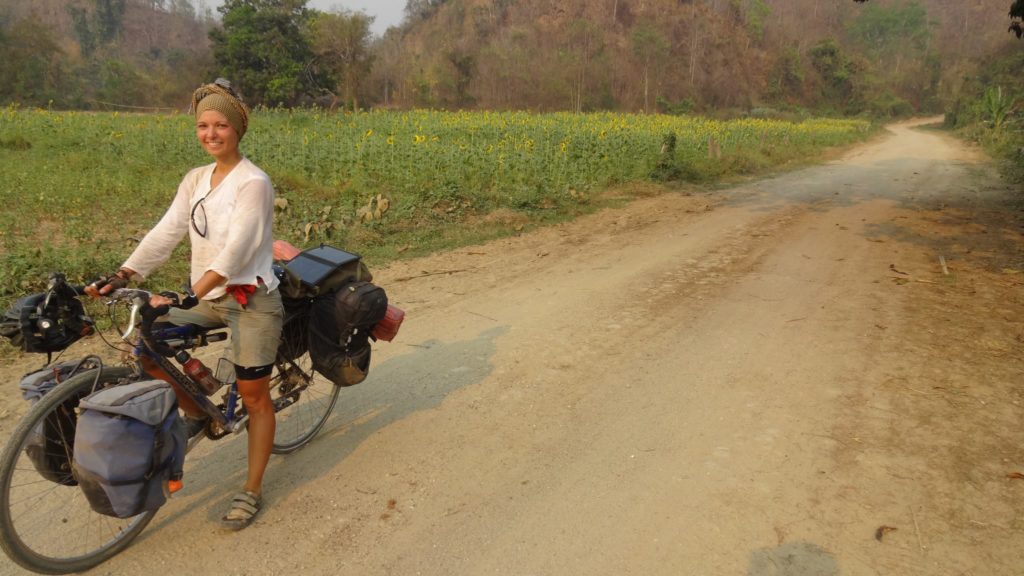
81	188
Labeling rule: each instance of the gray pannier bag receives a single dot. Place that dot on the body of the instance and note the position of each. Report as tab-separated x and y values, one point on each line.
50	444
130	442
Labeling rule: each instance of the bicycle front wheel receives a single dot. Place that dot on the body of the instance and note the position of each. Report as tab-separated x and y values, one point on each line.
306	400
46	524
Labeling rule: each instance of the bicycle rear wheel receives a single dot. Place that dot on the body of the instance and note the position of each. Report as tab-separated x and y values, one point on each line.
48	526
309	399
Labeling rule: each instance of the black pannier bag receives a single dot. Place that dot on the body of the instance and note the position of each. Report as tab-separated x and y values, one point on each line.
130	443
339	331
319	270
51	443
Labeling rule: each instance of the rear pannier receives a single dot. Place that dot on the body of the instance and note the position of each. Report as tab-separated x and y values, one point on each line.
130	442
328	295
340	325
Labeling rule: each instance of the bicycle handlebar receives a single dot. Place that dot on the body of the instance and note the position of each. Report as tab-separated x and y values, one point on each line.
139	300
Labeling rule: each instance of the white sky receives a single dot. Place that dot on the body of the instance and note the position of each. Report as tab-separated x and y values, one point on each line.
386	13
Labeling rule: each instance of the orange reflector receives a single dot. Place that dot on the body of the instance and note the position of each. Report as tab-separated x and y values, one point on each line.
174	485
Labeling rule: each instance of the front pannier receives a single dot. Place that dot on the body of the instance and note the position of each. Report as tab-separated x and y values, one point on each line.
130	443
340	324
50	445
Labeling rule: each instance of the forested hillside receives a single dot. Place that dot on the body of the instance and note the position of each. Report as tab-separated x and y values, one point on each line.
673	55
883	57
101	53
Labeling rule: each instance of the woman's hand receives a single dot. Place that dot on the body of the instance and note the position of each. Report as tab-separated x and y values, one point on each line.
175	300
157	300
107	285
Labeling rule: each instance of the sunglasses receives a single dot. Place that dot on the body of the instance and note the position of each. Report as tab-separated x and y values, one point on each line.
198	218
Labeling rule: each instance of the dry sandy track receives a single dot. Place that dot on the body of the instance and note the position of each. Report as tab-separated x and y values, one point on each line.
752	381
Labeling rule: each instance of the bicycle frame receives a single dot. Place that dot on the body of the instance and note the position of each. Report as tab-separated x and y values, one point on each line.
182	337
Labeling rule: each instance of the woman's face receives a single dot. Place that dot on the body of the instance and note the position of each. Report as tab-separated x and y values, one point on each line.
216	136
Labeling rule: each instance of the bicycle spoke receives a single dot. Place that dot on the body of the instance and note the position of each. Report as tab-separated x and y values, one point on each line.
312	400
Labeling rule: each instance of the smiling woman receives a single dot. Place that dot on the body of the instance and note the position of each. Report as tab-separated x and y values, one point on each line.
227	209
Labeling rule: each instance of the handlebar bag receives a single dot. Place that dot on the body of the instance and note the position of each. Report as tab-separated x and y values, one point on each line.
130	442
340	327
65	313
50	444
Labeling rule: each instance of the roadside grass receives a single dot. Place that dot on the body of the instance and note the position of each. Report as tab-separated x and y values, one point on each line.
81	189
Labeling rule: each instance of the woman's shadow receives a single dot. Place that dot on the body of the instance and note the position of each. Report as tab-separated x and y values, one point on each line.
394	389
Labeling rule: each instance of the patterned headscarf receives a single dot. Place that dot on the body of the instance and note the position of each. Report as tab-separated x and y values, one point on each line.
221	97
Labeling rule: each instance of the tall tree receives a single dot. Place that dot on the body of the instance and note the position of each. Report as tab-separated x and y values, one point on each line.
1016	16
898	39
651	47
839	76
416	10
341	45
31	64
262	47
585	43
99	26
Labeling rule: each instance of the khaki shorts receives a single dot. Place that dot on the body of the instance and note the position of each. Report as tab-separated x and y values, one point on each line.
255	329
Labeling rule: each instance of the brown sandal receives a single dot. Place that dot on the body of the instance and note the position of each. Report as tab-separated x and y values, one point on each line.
244	507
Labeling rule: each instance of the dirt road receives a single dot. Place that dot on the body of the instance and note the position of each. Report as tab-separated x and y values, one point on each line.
775	379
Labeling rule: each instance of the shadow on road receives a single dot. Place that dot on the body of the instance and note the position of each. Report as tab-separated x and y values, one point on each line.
395	388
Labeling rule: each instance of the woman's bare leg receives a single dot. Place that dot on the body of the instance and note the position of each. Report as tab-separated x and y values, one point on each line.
262	425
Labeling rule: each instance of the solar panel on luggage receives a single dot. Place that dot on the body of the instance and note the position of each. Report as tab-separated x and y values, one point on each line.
315	264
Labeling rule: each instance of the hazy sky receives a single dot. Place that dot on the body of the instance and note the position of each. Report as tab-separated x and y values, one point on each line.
386	13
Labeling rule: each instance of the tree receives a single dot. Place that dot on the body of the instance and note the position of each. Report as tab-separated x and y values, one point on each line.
416	10
98	27
341	45
751	14
463	65
388	66
652	49
786	82
262	48
898	38
838	73
884	30
585	44
1016	16
31	64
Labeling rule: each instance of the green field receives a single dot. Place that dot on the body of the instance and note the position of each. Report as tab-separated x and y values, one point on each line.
80	189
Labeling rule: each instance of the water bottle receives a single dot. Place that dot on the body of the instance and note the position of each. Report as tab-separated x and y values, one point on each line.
198	371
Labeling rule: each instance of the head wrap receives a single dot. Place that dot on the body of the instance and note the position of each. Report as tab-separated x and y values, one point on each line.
221	97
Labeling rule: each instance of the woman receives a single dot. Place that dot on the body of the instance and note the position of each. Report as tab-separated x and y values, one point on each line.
227	210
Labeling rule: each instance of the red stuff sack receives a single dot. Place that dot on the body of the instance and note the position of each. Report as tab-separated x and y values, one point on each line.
387	328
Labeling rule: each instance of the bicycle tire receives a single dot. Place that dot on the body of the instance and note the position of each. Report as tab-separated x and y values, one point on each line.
30	533
316	396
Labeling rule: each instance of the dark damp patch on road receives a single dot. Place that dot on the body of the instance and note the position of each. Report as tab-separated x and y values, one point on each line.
793	559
